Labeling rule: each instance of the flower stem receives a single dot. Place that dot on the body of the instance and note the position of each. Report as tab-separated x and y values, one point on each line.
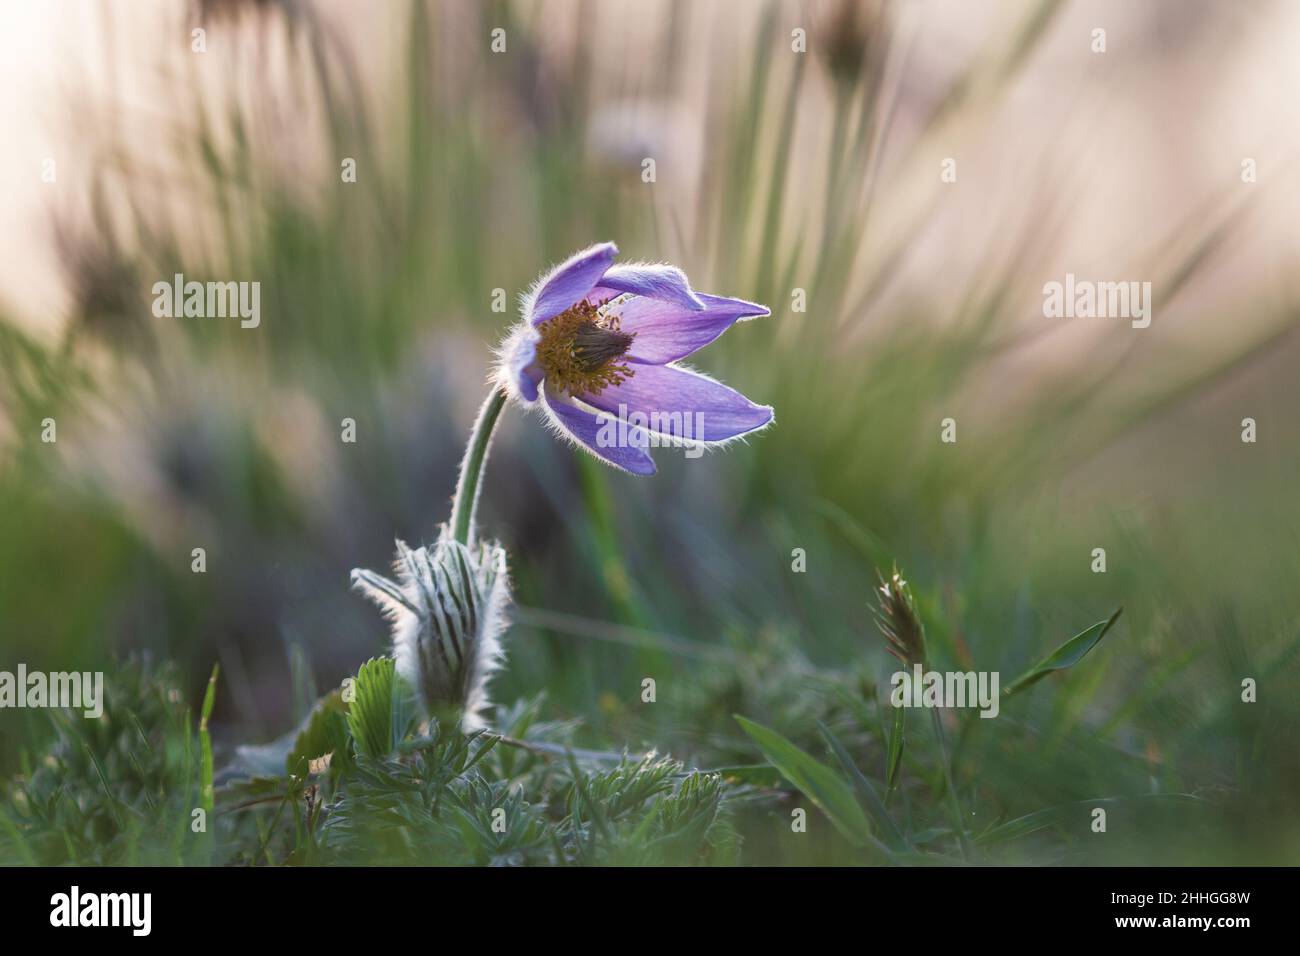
471	467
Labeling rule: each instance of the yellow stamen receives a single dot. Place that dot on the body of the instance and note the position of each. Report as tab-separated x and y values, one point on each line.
580	348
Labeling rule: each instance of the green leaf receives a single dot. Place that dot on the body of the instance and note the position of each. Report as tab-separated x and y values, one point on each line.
324	729
382	710
822	785
244	792
866	792
897	738
206	798
1067	655
324	732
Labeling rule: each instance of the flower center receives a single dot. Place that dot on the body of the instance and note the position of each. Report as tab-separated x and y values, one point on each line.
580	349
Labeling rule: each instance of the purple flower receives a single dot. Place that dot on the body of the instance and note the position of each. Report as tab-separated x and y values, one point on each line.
599	344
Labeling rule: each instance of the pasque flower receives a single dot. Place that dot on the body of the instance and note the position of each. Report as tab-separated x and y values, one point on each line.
599	345
447	610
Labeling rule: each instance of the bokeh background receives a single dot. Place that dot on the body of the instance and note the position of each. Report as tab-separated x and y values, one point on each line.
775	171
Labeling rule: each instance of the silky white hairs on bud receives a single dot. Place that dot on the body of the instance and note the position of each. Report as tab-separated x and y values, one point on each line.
447	609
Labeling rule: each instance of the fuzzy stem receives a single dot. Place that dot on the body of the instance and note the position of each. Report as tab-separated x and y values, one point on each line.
471	467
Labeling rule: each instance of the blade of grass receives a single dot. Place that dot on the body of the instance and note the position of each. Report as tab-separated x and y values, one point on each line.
206	798
822	785
1067	655
870	800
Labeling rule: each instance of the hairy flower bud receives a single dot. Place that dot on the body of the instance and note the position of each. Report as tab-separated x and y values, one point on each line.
447	610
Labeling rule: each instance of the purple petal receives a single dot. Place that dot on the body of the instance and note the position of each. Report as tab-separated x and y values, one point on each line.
664	283
528	379
569	282
681	403
622	445
519	367
666	333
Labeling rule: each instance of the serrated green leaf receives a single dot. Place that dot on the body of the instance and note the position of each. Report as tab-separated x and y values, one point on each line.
1067	655
382	710
819	783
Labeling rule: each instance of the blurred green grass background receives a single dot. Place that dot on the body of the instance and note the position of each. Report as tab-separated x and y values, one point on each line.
474	173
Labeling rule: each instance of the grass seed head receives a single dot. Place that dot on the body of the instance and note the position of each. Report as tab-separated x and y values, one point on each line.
898	620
